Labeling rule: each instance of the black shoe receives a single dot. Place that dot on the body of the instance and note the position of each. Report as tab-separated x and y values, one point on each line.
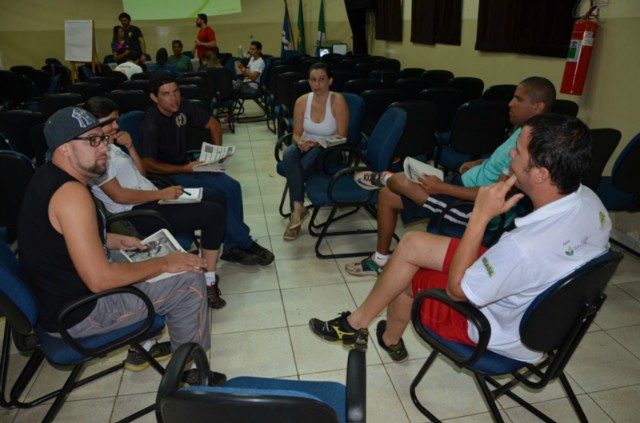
136	361
213	297
192	378
339	329
236	255
397	352
265	256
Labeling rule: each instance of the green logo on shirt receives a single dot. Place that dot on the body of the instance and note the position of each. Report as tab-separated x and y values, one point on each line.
487	266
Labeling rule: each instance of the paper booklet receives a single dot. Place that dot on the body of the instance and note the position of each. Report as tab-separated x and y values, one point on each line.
215	158
414	169
331	141
190	195
160	244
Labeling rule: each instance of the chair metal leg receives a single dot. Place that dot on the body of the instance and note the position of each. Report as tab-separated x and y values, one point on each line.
488	397
414	385
68	386
533	410
572	397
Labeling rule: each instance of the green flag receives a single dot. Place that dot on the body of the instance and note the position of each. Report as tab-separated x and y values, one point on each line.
321	31
301	43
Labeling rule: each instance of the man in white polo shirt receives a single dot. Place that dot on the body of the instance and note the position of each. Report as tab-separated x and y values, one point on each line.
568	227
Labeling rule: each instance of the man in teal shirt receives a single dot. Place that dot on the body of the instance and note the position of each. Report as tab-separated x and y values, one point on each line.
179	60
533	96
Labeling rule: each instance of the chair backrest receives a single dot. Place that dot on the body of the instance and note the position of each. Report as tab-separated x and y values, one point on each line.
41	79
87	89
360	85
192	92
388	64
340	77
50	104
130	122
129	100
471	87
16	170
479	127
626	170
118	76
603	143
411	72
503	92
363	69
448	99
108	82
384	138
136	84
355	103
15	125
222	79
141	75
418	137
411	87
284	90
438	77
18	88
16	299
385	76
562	314
376	102
565	107
39	143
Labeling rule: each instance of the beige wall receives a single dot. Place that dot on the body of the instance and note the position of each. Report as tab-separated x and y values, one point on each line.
31	30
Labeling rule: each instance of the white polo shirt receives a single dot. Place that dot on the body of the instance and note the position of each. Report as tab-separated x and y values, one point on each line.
546	245
120	166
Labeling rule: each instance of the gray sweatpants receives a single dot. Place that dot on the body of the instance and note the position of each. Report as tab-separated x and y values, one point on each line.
182	299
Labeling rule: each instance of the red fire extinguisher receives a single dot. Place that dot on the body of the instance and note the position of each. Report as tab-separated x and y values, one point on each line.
580	48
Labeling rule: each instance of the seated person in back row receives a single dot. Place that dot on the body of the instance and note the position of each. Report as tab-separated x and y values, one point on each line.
123	187
163	139
251	73
131	66
568	227
533	96
162	64
65	251
181	61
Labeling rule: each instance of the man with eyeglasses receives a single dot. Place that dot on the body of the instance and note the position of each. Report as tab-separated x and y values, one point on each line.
66	252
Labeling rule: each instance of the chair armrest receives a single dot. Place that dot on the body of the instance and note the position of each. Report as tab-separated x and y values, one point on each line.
343	172
473	315
356	402
283	142
160	181
125	339
350	153
135	213
172	378
457	203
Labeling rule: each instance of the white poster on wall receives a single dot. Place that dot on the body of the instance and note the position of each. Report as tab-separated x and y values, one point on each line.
78	40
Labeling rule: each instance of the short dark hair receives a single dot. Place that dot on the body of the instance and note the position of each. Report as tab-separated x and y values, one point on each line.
162	56
203	17
124	15
562	145
541	90
158	79
258	44
176	41
100	107
321	66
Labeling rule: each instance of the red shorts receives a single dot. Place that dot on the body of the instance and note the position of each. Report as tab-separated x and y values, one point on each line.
437	316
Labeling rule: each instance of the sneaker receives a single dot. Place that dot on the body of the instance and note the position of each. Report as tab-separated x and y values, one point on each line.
264	256
366	267
192	377
236	255
339	329
371	180
397	352
137	361
213	295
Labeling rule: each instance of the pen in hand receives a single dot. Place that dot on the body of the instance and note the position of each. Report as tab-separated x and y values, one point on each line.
185	192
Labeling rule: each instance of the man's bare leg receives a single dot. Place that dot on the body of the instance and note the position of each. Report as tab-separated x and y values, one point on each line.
393	288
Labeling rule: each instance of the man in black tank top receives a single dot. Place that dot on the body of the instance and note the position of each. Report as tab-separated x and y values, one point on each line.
65	250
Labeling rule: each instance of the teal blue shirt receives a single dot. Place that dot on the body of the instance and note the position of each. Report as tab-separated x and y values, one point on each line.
182	63
490	170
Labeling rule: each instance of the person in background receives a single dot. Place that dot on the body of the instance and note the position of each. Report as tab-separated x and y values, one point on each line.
210	60
321	113
132	66
133	35
206	39
252	72
119	46
161	64
181	61
124	187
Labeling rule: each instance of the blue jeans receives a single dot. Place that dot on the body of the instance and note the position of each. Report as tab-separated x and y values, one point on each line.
298	166
237	232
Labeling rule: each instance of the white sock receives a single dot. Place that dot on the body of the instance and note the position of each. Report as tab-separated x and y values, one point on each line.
210	277
380	259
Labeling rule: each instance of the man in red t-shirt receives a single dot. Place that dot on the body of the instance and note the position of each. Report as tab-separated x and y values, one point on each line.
206	38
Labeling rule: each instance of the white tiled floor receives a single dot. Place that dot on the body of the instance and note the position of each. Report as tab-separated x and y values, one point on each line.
263	330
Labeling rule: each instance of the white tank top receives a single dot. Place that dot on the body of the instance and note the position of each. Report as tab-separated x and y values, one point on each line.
312	130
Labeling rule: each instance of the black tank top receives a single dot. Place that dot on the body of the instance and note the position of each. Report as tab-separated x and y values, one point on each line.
46	265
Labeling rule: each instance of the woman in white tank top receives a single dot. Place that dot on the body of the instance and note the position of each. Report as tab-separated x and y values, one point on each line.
319	114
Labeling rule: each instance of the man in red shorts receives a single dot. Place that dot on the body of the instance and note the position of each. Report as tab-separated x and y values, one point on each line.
568	227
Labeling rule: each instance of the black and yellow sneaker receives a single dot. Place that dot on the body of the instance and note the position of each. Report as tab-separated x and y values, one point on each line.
137	361
397	352
339	329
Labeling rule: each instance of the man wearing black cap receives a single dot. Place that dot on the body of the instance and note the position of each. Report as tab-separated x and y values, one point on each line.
65	249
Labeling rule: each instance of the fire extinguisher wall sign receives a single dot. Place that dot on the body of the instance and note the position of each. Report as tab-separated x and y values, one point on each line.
580	49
